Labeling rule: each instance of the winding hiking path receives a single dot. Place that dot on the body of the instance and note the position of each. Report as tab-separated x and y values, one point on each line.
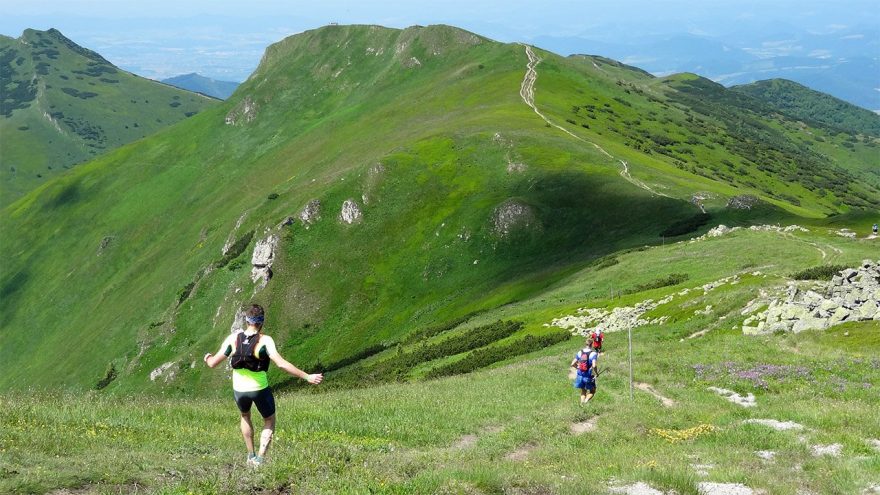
527	92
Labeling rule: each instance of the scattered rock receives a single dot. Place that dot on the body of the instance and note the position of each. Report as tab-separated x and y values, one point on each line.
846	233
743	202
310	213
833	450
620	318
105	243
776	425
767	455
708	488
513	215
875	443
412	62
702	469
724	230
245	112
351	212
744	401
516	167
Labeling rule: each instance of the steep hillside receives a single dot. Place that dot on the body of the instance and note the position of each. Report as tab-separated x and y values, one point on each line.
201	84
406	179
803	103
64	104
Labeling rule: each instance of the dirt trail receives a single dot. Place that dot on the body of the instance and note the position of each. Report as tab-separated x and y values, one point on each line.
527	92
666	401
584	426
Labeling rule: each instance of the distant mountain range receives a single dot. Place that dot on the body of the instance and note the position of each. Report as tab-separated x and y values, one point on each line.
201	84
395	180
64	104
843	63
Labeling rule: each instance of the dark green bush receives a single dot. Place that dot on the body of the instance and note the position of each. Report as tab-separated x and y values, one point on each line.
672	279
822	272
235	250
109	376
481	358
184	293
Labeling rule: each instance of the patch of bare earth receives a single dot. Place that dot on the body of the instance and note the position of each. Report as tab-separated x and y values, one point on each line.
584	426
521	454
666	401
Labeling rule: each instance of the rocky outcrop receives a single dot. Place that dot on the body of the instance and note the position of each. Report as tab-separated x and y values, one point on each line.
310	213
513	215
243	113
852	295
743	202
262	259
350	212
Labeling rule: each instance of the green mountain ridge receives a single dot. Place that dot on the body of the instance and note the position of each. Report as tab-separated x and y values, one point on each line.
468	201
204	85
817	108
64	104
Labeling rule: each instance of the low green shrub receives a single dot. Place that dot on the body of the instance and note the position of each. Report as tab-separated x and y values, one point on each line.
821	272
481	358
672	279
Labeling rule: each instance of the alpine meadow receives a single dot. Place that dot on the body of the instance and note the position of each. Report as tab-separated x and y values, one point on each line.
434	220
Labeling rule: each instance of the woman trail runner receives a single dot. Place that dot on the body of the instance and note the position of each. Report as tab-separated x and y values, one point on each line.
250	352
585	363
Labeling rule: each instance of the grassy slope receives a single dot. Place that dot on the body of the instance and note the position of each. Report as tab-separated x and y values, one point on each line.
64	105
331	104
508	429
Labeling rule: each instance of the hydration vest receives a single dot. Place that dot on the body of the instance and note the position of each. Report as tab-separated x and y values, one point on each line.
584	363
244	355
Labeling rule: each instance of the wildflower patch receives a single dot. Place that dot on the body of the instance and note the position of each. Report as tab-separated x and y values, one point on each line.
675	436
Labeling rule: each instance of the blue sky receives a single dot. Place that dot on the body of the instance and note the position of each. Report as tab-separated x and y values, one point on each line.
225	39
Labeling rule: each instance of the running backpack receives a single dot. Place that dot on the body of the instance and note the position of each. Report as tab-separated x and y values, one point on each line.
584	364
244	356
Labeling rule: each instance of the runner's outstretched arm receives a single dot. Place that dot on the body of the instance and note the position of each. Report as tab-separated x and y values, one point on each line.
282	363
213	360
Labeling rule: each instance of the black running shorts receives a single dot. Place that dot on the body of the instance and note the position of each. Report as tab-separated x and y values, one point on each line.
262	398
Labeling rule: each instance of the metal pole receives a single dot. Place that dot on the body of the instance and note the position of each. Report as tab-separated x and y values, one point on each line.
630	337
